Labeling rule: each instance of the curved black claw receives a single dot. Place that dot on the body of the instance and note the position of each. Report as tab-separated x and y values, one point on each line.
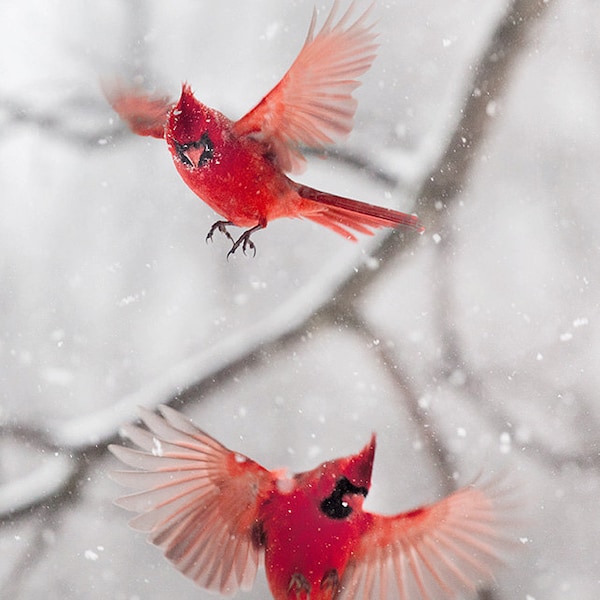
299	585
331	581
222	227
245	242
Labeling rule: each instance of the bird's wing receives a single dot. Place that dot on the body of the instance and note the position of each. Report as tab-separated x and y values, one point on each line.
198	501
313	101
435	552
146	114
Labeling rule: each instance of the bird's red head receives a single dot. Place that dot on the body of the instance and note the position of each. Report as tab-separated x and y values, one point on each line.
187	120
359	467
340	485
194	131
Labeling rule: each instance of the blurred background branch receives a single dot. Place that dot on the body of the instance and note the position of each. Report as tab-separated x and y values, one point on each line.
335	289
144	255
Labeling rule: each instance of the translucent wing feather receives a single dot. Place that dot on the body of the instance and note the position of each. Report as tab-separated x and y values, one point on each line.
313	101
435	552
146	114
197	500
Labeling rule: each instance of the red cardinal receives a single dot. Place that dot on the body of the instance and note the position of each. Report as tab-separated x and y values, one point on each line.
217	515
238	167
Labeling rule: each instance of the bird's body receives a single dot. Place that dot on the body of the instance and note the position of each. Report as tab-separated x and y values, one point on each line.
239	167
297	529
238	164
218	515
295	560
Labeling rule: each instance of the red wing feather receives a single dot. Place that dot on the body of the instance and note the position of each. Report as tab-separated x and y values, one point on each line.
313	101
436	552
146	114
343	214
198	501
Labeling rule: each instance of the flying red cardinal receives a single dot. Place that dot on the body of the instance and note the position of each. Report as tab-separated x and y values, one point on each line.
217	515
238	167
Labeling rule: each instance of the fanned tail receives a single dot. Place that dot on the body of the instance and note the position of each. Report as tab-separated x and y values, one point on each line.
344	215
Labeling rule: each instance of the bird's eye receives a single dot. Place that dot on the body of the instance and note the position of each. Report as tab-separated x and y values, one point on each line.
334	506
196	154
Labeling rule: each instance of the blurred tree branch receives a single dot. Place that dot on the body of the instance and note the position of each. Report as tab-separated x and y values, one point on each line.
337	287
445	181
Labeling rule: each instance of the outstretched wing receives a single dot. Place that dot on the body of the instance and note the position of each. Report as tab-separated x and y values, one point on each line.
434	552
198	500
146	114
313	101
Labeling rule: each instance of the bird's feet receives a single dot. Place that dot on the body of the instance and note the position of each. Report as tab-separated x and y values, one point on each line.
330	583
299	587
244	240
222	227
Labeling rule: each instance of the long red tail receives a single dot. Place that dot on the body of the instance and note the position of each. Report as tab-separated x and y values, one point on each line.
342	214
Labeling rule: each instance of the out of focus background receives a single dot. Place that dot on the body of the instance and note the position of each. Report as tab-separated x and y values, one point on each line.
473	347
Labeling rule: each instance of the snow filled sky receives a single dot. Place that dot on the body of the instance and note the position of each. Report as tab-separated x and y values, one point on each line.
473	347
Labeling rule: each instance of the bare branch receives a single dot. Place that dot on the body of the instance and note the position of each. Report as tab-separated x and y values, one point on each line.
447	178
340	283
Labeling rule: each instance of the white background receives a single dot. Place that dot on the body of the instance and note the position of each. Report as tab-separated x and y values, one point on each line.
474	347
